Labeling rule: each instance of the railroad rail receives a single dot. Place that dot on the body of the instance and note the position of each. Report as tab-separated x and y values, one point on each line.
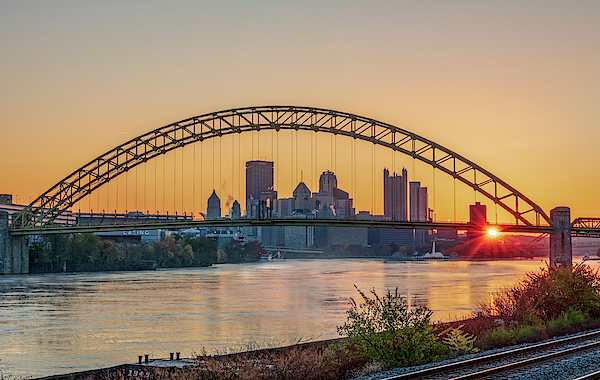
509	361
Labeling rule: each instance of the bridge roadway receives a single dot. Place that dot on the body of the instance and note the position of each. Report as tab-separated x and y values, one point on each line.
78	228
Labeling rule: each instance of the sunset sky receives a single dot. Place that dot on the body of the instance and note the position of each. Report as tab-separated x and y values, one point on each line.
511	85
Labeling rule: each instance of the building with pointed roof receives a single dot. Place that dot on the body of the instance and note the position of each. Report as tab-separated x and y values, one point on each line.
214	207
303	203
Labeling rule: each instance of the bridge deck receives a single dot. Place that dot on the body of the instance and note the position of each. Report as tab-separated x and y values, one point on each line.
61	229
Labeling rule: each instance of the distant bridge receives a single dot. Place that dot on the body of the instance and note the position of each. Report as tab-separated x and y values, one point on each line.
41	215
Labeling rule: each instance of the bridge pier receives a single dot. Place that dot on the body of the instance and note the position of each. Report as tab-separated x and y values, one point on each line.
14	250
561	254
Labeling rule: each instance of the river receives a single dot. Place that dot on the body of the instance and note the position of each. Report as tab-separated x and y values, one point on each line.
60	323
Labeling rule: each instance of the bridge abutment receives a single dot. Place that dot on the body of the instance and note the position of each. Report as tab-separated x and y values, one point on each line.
561	253
4	240
14	250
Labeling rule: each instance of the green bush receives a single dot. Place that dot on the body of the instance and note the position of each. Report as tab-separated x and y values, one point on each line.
548	295
459	341
385	330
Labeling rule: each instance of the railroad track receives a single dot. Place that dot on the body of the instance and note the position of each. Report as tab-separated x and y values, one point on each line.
512	362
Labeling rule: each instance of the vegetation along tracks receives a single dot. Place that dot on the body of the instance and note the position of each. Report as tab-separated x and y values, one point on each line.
512	362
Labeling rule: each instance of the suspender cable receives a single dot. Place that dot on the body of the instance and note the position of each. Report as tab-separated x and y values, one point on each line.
353	165
434	209
292	176
182	179
296	155
155	181
331	151
213	162
194	178
278	162
201	177
373	179
475	181
239	162
220	163
310	173
164	182
174	180
454	199
107	195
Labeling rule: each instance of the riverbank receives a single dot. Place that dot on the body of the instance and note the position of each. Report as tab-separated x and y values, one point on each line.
184	368
59	323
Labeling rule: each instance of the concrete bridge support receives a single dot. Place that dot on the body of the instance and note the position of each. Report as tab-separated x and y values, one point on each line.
14	250
561	254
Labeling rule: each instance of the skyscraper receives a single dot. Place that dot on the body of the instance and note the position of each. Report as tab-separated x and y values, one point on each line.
395	195
478	214
213	211
259	180
327	182
259	186
418	203
419	212
235	212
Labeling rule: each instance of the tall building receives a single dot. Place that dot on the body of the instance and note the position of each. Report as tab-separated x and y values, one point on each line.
302	199
259	180
259	185
331	201
395	195
235	212
418	203
213	210
327	182
419	212
478	214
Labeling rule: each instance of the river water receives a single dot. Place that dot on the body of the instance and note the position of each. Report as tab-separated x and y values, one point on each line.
60	323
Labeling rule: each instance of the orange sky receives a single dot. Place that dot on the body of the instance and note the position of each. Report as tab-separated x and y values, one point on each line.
513	86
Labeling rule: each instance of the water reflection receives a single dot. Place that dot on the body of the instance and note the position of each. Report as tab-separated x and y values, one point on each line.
53	324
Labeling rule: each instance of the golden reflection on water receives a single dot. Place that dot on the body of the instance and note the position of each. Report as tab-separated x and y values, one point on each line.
54	324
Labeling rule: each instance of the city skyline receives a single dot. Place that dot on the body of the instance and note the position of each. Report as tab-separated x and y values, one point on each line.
512	86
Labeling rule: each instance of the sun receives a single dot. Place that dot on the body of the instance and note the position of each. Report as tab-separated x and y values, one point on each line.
492	232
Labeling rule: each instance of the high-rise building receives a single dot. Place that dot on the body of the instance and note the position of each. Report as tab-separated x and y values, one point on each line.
302	199
213	210
331	201
327	182
259	180
259	186
235	212
395	195
419	212
418	203
478	214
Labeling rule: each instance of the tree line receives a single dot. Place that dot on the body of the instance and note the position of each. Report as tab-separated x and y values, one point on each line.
89	252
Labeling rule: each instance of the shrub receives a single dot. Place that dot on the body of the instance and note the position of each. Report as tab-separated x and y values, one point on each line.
295	363
459	341
385	330
548	295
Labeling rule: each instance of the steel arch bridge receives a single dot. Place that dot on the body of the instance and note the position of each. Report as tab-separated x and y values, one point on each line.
51	204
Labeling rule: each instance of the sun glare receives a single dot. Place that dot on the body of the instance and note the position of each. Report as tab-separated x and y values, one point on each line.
492	232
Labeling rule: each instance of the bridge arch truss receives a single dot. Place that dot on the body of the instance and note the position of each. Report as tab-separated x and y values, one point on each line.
51	204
